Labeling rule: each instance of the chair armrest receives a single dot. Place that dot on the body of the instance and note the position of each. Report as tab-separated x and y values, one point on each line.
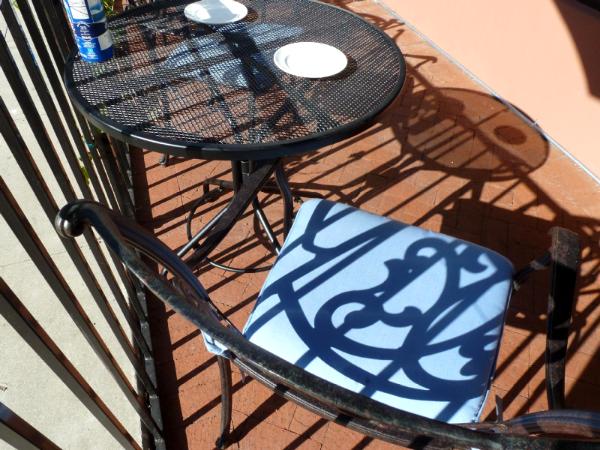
128	240
564	253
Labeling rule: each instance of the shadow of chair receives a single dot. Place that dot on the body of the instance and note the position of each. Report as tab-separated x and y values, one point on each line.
528	312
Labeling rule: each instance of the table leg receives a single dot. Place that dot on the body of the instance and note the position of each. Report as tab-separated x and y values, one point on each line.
260	215
288	200
247	188
195	239
164	160
242	172
239	169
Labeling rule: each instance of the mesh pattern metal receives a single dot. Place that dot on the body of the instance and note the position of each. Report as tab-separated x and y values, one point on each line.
181	82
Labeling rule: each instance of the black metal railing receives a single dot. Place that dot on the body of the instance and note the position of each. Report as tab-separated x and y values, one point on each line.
83	163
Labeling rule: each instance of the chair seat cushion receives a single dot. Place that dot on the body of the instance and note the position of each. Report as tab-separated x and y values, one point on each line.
406	316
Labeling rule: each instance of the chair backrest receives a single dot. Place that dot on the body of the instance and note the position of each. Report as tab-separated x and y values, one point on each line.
552	429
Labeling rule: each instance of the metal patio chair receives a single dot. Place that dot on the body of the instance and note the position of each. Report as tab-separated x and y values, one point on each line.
383	327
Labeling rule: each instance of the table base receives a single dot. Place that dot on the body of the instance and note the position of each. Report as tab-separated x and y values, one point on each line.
241	170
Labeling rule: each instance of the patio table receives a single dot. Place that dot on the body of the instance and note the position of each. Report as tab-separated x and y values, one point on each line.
213	91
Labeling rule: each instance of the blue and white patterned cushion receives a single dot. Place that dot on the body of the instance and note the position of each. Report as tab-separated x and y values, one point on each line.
406	316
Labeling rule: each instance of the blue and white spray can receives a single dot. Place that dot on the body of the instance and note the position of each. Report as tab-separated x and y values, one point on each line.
90	28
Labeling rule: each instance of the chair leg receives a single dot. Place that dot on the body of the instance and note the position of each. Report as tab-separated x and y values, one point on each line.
225	372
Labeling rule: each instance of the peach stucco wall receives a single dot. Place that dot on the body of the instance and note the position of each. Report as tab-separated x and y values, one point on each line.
541	55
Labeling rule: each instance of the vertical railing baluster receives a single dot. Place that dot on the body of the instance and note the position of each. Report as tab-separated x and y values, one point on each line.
84	152
45	28
67	150
55	83
100	168
17	432
45	98
59	47
21	320
17	84
107	160
121	150
15	218
62	39
41	190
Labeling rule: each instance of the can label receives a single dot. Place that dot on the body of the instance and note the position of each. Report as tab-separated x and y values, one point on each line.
92	35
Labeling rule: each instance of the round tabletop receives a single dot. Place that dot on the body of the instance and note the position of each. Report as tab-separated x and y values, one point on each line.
214	91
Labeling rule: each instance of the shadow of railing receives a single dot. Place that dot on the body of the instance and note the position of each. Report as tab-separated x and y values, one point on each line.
450	159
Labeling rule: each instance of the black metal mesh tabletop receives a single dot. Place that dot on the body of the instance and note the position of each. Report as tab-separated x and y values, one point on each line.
214	92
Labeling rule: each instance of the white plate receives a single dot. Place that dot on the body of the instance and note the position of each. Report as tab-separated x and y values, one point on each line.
310	59
215	12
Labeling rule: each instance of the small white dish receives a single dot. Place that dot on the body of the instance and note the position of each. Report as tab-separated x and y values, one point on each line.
310	59
215	12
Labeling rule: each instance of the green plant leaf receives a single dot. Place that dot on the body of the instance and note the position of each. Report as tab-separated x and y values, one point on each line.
109	7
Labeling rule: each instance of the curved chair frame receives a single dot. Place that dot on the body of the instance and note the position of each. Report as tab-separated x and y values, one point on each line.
549	429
